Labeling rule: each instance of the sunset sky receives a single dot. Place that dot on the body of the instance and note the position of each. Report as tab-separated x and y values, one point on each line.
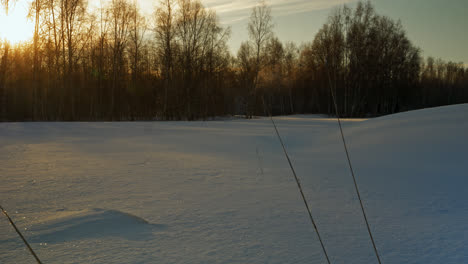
438	27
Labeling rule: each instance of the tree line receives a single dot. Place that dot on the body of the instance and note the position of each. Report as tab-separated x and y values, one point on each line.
113	63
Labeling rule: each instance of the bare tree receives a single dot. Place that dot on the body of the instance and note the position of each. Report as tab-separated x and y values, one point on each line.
273	75
246	65
120	15
136	41
291	57
369	61
192	19
260	29
3	70
35	11
165	40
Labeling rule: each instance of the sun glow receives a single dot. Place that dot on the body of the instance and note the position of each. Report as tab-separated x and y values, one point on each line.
15	27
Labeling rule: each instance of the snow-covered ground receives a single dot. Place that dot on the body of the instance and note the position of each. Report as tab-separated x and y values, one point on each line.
222	191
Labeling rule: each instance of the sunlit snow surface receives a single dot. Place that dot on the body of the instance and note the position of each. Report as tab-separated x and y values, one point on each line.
222	191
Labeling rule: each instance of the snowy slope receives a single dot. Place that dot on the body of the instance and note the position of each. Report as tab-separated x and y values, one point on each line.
222	192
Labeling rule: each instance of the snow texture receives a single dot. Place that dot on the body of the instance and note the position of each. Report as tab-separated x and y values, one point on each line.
222	191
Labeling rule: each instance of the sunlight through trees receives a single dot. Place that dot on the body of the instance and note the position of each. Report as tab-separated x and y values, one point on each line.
112	63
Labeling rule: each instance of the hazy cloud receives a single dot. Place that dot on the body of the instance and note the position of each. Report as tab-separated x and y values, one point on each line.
231	11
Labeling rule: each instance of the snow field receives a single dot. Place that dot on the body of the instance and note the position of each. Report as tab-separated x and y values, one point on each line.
222	191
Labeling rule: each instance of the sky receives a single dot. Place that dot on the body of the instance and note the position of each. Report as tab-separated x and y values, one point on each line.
438	27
